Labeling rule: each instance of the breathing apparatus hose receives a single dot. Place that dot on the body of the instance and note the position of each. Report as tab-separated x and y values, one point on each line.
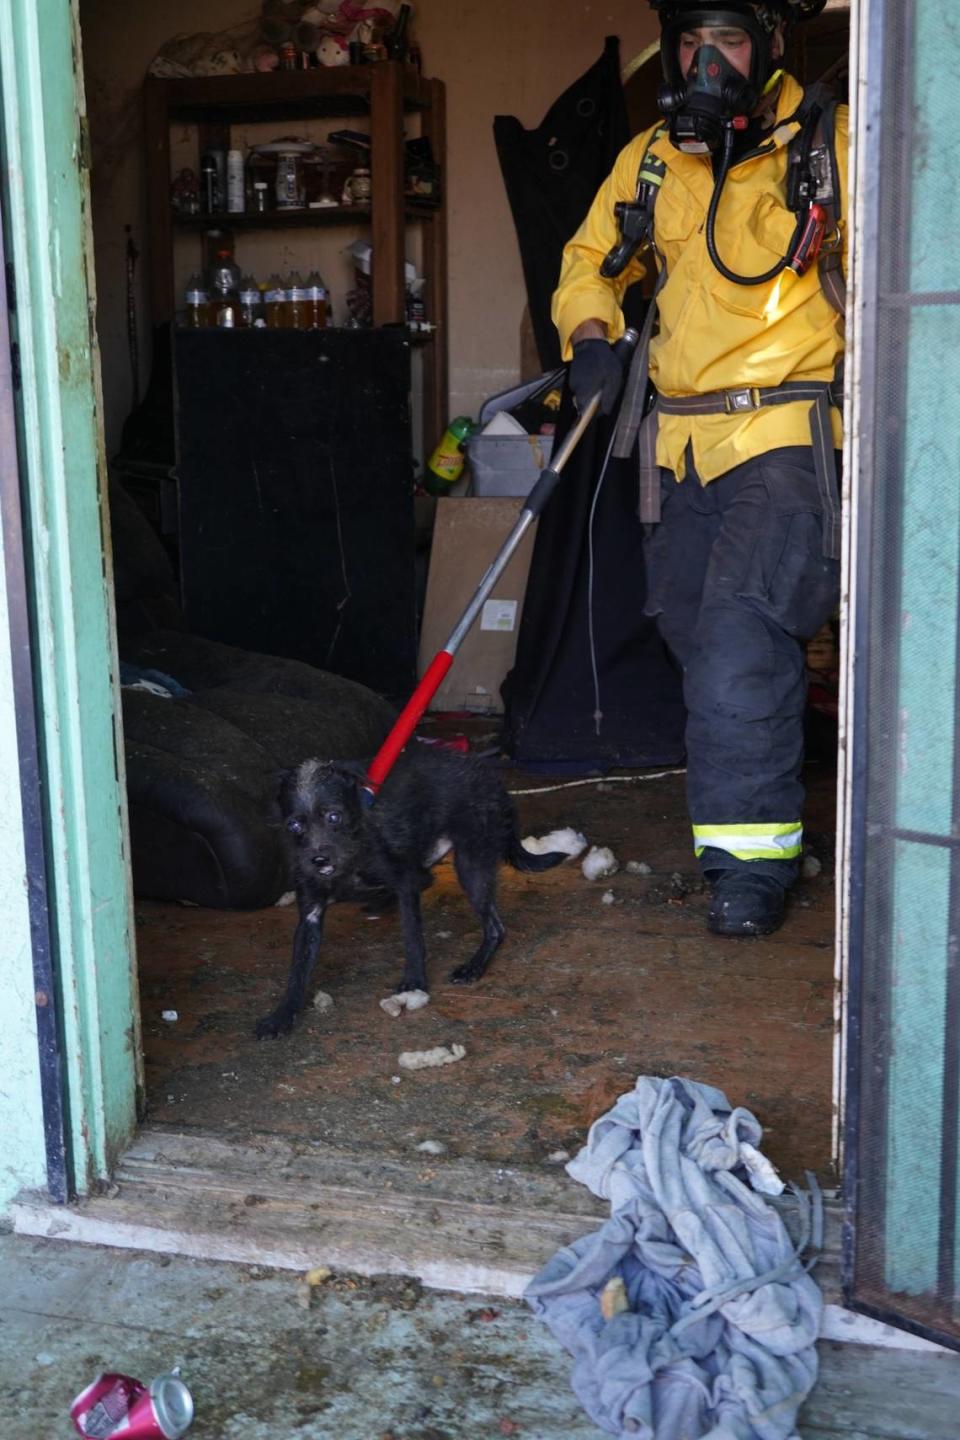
725	163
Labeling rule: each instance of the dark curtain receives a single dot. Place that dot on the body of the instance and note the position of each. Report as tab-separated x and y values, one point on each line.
549	695
552	174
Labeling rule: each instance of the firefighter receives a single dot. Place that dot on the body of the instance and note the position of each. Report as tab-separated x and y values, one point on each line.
743	185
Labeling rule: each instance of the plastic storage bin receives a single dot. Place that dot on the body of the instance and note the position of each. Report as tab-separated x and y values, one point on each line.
510	464
507	464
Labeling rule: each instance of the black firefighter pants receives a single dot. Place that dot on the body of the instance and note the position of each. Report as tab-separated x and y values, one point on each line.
738	582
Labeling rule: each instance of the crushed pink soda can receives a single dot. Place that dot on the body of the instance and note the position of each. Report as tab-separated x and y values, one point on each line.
119	1405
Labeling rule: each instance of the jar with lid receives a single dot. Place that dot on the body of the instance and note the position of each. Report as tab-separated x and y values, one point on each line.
289	181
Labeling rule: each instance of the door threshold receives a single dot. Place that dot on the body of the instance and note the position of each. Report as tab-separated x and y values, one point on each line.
455	1224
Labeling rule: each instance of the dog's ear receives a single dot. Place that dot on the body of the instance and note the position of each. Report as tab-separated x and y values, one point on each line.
356	769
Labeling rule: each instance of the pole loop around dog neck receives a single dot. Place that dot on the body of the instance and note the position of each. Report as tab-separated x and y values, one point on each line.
386	757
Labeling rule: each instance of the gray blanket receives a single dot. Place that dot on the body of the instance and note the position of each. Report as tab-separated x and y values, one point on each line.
718	1338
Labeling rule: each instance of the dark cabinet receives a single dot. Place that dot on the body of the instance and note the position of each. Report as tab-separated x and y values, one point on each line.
296	496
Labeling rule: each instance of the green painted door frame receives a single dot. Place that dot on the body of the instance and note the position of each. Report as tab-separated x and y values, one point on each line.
48	242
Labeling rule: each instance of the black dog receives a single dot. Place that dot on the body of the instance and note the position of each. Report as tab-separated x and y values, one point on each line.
346	849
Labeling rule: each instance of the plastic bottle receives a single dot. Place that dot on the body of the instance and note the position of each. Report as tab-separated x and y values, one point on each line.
297	302
445	465
251	306
235	182
225	290
274	303
396	40
316	302
198	304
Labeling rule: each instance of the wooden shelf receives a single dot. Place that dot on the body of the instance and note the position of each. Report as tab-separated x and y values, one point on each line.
332	90
294	219
384	92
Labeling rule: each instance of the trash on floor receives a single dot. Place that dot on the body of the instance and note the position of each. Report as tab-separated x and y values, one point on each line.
599	863
311	1282
395	1005
570	841
115	1404
721	1318
322	1002
427	1059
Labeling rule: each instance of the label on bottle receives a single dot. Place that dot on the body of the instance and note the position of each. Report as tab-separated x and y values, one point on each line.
249	297
197	297
298	295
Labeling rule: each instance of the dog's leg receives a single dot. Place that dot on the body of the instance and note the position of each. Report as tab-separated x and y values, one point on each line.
306	947
414	975
479	882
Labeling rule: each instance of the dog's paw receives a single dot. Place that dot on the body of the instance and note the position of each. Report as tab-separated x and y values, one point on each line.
466	974
278	1022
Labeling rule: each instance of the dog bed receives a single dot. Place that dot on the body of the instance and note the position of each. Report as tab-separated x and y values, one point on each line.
207	729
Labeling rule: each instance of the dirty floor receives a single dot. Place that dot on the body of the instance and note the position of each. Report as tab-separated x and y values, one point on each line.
582	997
375	1359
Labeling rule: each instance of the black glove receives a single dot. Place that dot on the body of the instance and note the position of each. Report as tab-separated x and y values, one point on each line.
594	368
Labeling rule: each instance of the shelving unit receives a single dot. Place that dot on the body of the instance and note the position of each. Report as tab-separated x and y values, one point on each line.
384	92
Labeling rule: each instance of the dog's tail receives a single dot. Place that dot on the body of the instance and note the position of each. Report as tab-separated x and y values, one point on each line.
522	859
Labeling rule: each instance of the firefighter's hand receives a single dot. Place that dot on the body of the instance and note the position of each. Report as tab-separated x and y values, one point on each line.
595	369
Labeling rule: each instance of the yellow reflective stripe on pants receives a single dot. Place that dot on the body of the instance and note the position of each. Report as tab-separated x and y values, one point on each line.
751	842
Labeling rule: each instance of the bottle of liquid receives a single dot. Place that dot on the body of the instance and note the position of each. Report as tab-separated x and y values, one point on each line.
251	307
316	302
297	302
445	465
225	290
235	182
274	303
397	40
209	183
197	303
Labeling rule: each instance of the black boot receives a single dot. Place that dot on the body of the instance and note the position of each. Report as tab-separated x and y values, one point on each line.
746	904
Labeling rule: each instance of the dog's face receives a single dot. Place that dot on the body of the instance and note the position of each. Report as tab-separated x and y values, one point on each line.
323	816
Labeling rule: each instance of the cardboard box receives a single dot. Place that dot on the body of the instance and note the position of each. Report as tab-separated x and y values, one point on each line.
467	535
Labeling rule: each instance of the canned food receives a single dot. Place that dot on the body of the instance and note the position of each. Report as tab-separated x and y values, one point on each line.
116	1404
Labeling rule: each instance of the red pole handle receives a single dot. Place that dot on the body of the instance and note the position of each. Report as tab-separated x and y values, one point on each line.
386	756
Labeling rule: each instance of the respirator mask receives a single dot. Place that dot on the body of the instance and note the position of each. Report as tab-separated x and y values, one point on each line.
713	95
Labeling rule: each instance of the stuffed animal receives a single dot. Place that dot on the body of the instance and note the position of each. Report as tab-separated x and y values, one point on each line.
325	28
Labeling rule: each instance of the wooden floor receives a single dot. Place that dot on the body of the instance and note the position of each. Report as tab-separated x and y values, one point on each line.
582	997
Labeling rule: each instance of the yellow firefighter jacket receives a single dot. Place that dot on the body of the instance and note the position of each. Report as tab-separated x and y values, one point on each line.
714	334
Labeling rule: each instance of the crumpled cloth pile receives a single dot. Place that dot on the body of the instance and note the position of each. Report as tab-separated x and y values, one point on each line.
690	1313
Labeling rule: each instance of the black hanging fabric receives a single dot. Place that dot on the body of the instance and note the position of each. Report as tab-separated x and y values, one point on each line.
549	695
552	174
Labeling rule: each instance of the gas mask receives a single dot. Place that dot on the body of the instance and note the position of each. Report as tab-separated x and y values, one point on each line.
713	95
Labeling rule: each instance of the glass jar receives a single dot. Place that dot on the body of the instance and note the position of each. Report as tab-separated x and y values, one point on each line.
289	181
